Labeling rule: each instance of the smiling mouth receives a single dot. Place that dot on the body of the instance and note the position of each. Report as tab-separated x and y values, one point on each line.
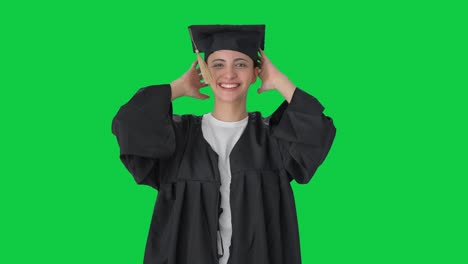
229	85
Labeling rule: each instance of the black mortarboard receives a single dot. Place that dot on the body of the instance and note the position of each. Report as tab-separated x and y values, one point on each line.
243	38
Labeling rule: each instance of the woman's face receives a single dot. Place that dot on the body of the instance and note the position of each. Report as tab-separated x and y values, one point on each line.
233	72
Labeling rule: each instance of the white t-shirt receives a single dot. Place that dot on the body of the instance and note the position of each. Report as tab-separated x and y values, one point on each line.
222	136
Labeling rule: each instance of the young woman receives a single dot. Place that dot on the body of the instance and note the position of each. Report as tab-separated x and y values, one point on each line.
223	178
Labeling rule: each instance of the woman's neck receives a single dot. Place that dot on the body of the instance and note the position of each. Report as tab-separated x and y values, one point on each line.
229	112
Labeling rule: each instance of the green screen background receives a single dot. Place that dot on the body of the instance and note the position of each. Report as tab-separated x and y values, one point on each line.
392	75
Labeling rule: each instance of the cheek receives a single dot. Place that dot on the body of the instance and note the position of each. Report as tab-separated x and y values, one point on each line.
214	74
250	77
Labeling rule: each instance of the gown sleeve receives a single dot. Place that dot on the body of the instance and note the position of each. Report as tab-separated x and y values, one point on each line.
145	133
304	135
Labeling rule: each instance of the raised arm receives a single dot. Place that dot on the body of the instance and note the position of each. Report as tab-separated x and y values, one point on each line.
145	128
145	132
304	134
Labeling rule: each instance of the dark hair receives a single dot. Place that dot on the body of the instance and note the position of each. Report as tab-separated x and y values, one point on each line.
255	62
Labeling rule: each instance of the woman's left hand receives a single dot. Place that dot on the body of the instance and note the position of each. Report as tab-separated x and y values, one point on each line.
272	78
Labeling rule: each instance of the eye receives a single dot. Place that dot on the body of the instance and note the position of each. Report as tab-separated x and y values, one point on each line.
241	65
217	65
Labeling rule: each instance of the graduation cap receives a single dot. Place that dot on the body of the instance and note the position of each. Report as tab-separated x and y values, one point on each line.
210	38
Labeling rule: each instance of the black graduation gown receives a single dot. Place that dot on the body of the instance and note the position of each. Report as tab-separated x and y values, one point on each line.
169	153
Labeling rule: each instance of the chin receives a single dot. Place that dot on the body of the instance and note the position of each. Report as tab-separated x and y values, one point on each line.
230	99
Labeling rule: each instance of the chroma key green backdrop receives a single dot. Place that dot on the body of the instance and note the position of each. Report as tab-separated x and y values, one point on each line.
392	75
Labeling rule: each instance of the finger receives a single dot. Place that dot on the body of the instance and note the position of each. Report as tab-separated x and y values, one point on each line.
203	84
200	78
262	60
261	52
263	55
194	64
201	96
261	73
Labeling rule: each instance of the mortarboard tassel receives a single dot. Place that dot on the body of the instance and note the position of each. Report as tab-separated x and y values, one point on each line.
204	69
201	62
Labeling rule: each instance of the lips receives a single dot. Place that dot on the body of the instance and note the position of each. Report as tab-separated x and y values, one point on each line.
229	85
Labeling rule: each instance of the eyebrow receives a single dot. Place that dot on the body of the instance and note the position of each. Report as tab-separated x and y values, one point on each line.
237	59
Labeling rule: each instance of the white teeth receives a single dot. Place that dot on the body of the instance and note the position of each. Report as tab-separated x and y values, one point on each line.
229	86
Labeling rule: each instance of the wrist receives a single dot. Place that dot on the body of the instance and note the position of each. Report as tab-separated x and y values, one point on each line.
286	88
176	90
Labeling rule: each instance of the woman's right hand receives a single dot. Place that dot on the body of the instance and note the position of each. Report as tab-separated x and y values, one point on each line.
189	84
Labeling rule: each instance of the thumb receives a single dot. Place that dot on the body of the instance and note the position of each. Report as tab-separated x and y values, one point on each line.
201	96
260	90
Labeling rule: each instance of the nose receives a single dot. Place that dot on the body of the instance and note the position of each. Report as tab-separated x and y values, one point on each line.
230	73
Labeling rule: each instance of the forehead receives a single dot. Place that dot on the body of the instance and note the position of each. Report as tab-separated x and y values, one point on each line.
228	55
